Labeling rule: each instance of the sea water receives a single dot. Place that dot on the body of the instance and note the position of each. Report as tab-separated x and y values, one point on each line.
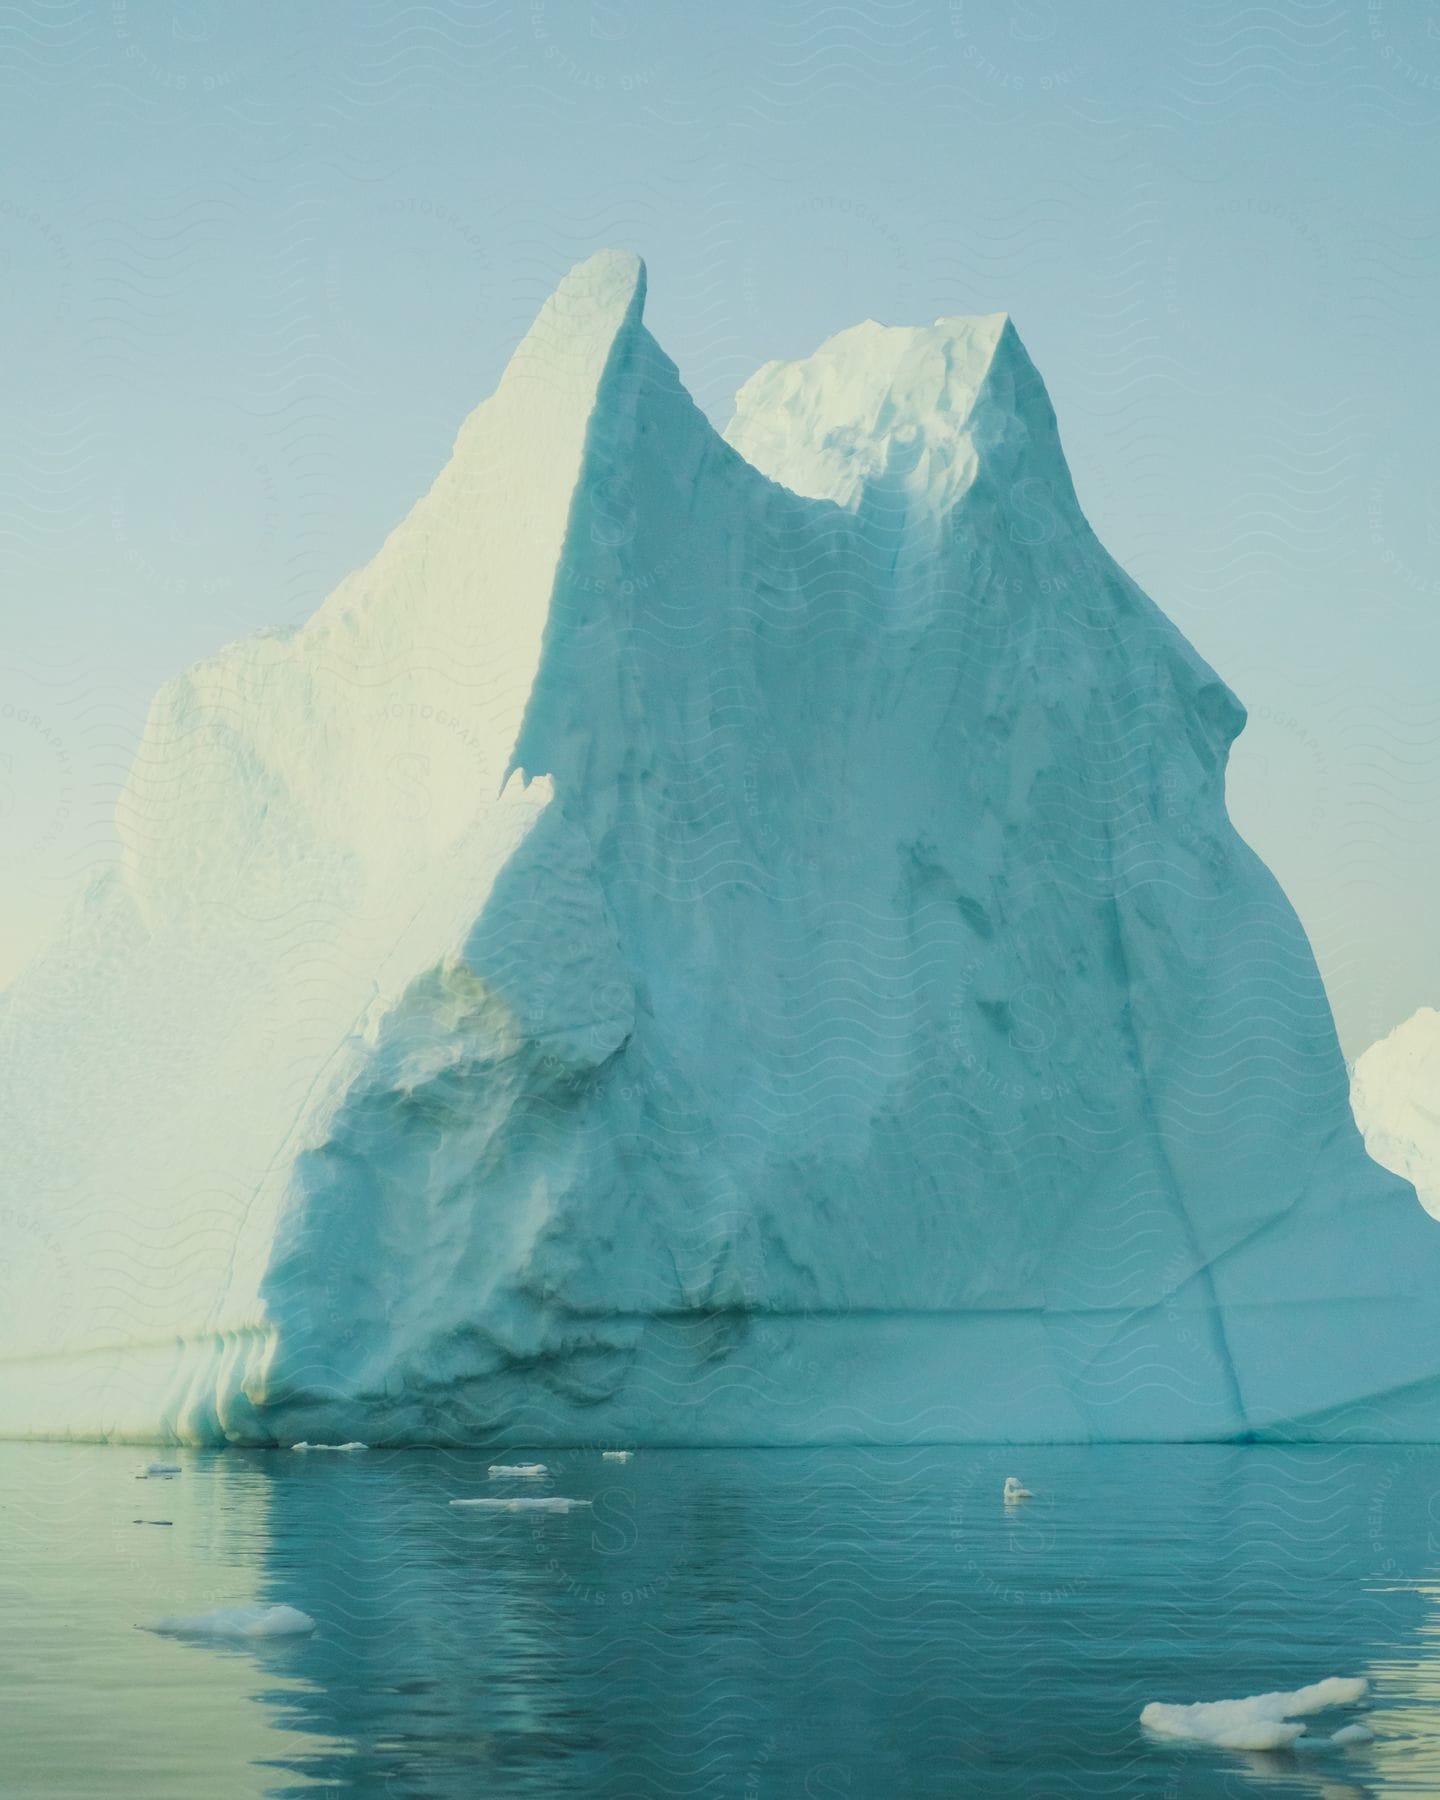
843	1624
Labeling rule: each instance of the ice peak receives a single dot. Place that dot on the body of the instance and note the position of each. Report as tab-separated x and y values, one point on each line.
916	406
608	283
593	308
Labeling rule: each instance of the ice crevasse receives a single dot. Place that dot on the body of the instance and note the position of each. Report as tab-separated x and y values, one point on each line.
702	940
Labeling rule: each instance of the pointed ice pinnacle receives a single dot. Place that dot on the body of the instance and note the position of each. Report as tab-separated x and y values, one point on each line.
703	941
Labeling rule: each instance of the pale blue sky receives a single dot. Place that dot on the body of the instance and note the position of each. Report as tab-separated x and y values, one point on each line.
257	262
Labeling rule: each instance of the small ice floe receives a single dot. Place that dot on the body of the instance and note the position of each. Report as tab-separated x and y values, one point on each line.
516	1471
159	1471
616	1455
329	1446
1350	1734
550	1503
1262	1722
236	1622
1014	1493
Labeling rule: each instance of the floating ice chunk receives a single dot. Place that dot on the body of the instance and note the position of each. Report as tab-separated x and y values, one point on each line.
1310	1745
550	1503
161	1469
329	1446
1014	1493
516	1471
237	1622
1353	1734
617	1455
1261	1722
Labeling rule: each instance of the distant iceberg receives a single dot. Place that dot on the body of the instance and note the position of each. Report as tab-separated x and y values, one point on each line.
1395	1095
703	941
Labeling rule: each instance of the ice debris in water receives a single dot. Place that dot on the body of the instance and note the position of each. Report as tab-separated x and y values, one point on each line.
1261	1722
1014	1492
160	1469
236	1622
516	1471
329	1446
550	1503
616	1455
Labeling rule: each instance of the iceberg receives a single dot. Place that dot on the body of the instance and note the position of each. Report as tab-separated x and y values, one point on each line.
1395	1096
703	940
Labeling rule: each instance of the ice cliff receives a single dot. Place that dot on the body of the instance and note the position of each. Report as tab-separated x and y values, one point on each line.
703	941
1395	1094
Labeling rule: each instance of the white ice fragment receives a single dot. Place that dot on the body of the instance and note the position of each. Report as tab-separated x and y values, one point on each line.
616	1455
516	1471
162	1469
236	1622
1261	1722
329	1446
550	1503
1354	1734
1014	1493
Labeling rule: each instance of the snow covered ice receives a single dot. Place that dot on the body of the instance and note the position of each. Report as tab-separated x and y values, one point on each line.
703	940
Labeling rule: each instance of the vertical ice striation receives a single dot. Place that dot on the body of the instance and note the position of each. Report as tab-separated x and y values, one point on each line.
705	941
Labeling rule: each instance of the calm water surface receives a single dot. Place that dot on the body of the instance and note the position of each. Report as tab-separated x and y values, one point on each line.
761	1625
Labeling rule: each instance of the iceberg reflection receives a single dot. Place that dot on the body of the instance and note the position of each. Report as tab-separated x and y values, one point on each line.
782	1624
